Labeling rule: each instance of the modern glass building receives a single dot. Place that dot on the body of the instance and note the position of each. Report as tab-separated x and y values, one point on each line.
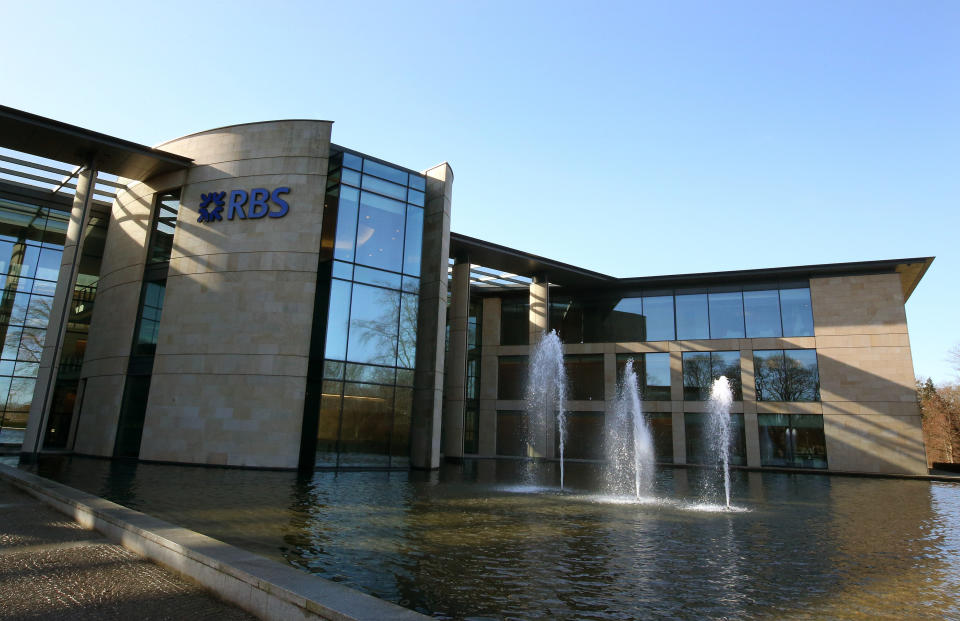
259	296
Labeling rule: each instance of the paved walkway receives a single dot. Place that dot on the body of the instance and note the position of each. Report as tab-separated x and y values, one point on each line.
51	568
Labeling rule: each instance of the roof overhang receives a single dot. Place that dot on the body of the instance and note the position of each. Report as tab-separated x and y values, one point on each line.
55	140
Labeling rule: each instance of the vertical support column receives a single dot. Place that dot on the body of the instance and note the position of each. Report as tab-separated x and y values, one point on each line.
431	321
456	376
676	407
543	439
59	314
489	380
750	423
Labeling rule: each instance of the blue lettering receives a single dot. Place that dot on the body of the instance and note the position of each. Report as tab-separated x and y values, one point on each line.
237	199
282	204
258	203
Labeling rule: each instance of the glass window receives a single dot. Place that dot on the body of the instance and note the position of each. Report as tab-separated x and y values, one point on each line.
380	232
369	374
385	172
132	411
584	436
380	278
511	433
149	321
365	425
566	317
653	374
338	319
661	428
342	270
692	316
38	312
328	424
24	260
415	197
697	375
161	240
792	440
699	440
471	429
797	312
626	322
762	309
400	433
514	322
658	313
727	364
351	176
48	266
352	161
726	315
511	377
790	375
346	224
418	182
374	323
413	246
584	377
407	344
380	186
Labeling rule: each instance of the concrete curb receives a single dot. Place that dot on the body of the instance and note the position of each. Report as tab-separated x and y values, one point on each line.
258	585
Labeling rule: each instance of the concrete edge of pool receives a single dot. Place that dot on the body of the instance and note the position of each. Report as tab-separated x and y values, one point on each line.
260	586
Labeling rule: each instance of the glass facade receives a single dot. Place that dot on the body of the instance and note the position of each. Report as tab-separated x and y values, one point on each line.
511	377
373	240
701	369
471	422
792	440
584	436
514	322
653	374
786	375
661	427
512	433
699	447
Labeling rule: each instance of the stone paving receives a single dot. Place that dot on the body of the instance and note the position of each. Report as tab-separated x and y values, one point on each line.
51	568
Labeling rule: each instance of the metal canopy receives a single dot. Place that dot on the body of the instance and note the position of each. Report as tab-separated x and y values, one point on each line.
43	137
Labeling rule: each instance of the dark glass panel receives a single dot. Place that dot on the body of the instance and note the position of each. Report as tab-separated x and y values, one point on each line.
514	322
697	375
584	377
768	371
698	440
774	431
338	319
809	443
161	239
328	424
802	375
385	172
418	182
626	322
512	377
148	324
132	411
380	232
405	377
661	428
511	433
332	370
792	440
343	248
727	364
380	278
380	186
692	316
796	312
413	246
658	313
566	317
352	161
657	377
407	344
584	436
374	319
400	434
471	428
410	284
6	250
369	374
762	310
726	315
365	425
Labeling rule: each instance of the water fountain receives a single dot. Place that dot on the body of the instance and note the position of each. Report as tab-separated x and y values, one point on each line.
721	398
629	443
546	394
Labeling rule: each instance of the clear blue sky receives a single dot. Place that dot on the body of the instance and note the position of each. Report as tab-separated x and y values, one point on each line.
675	137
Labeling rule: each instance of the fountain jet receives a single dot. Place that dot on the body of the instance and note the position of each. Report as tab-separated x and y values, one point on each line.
721	398
546	396
629	442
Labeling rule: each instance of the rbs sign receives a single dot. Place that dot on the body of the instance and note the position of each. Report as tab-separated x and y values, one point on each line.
257	204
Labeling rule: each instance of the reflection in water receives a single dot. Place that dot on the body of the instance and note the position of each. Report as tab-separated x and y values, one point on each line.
472	541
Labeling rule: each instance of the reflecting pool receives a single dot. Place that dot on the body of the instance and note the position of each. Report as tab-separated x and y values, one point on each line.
478	541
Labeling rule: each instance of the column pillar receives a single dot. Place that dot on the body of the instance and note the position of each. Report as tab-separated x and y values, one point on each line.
456	377
490	340
59	314
543	439
431	321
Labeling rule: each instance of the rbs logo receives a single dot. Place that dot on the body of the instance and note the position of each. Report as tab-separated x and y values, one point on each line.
257	204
